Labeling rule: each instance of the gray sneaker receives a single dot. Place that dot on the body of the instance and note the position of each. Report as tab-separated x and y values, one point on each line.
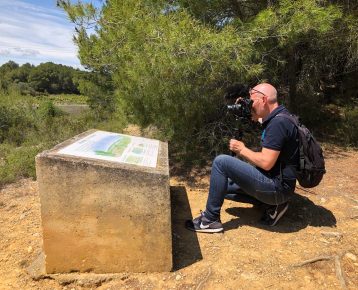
203	225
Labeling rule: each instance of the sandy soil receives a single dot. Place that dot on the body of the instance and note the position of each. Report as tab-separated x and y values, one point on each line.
320	223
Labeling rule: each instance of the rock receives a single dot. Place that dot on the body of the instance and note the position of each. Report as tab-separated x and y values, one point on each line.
332	234
178	277
324	241
87	280
23	263
37	269
323	200
29	249
351	256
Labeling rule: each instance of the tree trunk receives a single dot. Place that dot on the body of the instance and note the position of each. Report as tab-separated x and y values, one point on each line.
292	80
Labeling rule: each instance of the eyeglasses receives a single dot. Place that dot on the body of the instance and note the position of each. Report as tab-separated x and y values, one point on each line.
252	91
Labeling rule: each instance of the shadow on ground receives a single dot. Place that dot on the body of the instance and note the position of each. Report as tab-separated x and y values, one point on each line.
302	212
186	248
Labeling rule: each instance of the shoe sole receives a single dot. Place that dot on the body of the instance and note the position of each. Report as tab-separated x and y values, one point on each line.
280	215
209	231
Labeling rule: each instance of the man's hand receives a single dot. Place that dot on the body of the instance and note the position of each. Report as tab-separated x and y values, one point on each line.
236	146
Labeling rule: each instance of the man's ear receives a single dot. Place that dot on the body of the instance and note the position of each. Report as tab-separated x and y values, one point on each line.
265	99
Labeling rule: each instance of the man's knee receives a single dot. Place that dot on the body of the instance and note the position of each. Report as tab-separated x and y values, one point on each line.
221	159
229	165
224	162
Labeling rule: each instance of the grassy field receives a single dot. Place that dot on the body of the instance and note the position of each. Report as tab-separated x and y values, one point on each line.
64	99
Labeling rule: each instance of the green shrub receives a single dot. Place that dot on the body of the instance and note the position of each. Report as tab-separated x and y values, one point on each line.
22	88
17	162
30	125
351	126
21	142
48	110
15	123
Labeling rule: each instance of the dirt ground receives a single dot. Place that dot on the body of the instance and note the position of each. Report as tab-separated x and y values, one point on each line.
321	224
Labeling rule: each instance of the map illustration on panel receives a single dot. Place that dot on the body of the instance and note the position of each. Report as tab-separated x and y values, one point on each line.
115	147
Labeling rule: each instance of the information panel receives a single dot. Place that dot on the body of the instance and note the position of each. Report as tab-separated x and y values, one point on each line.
115	147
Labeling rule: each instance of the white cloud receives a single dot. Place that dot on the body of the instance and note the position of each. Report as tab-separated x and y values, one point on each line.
33	33
19	52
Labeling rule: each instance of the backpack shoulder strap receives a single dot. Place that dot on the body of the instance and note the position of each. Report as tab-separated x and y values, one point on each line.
292	118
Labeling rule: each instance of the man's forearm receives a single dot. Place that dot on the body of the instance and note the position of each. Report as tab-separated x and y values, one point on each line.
264	159
258	158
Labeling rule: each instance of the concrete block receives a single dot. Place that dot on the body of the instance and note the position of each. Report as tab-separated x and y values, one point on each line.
104	216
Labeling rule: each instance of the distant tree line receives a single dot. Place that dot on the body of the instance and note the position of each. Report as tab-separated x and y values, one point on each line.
46	78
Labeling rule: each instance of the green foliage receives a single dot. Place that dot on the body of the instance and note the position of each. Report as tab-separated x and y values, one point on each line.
52	78
29	127
47	110
21	88
351	126
45	78
304	46
17	162
98	87
169	63
14	123
168	70
222	12
297	18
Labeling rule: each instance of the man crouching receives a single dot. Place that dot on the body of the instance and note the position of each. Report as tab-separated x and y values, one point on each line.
271	181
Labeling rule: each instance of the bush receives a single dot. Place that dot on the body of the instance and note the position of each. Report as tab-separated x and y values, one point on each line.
351	126
48	110
15	123
27	129
19	162
22	88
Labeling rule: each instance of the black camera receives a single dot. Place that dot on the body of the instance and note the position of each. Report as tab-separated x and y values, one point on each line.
241	109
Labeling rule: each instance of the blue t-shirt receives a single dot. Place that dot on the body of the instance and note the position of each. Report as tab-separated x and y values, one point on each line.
280	134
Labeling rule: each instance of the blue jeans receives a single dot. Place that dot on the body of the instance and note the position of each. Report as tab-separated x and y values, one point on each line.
250	185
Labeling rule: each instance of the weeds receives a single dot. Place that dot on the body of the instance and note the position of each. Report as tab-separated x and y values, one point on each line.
28	126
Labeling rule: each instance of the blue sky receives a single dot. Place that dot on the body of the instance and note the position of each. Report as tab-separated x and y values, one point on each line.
36	31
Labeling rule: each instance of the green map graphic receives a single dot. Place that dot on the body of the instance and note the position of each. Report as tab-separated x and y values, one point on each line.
134	159
117	148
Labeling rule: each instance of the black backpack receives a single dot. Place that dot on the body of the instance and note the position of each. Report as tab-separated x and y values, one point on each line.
311	167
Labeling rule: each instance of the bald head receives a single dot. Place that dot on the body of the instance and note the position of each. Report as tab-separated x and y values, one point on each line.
267	90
